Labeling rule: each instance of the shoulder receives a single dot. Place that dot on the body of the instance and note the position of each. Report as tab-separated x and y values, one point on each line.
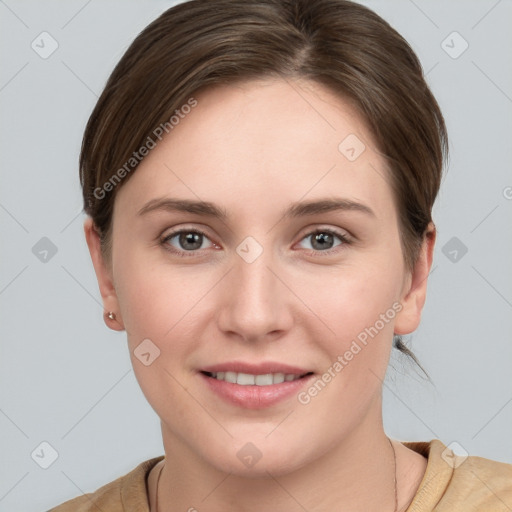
456	483
129	489
483	483
107	497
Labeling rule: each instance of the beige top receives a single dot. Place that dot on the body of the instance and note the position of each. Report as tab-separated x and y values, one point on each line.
476	484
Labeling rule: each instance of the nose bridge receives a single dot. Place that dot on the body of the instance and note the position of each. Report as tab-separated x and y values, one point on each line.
254	304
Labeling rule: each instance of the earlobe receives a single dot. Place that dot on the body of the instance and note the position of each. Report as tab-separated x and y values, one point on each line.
112	314
415	291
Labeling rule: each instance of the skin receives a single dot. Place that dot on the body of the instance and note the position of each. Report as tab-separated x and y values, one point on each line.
253	149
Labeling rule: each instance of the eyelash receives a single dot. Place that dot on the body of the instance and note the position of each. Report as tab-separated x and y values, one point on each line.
187	254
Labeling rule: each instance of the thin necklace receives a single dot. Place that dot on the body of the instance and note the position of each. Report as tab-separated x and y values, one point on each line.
394	462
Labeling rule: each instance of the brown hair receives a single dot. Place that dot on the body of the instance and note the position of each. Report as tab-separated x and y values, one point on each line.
338	43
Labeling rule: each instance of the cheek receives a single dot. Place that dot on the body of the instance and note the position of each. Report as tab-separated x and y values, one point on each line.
359	307
161	301
353	298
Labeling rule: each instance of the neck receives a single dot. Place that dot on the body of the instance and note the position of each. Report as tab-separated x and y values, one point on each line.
358	473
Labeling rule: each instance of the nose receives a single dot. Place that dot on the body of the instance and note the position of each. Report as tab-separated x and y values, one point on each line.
255	304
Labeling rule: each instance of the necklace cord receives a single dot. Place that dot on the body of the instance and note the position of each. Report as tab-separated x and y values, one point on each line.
394	463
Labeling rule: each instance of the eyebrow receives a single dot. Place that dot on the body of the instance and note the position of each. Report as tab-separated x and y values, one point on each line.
300	209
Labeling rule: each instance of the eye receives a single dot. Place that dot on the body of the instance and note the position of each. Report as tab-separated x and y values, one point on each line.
322	240
188	241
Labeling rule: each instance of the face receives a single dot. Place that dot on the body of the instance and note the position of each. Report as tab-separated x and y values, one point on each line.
265	289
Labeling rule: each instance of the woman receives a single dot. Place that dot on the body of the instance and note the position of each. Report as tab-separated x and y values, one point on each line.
259	178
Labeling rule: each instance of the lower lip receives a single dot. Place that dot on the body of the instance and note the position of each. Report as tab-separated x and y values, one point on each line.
255	397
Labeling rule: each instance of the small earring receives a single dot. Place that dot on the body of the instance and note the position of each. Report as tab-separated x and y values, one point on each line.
111	315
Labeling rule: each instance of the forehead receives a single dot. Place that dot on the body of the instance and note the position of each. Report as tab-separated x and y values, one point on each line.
264	142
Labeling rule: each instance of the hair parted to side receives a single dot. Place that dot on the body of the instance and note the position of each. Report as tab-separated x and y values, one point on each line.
338	43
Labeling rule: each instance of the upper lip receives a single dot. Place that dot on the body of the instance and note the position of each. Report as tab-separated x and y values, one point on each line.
255	369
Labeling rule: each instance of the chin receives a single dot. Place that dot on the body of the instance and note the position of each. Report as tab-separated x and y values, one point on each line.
256	459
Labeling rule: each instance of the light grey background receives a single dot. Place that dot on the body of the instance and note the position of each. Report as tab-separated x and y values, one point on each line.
67	380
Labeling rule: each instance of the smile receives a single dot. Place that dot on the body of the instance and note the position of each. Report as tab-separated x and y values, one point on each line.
247	379
254	391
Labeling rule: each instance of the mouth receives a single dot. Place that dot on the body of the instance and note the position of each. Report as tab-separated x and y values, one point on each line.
254	386
248	379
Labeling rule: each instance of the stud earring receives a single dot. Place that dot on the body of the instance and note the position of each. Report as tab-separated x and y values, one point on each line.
111	315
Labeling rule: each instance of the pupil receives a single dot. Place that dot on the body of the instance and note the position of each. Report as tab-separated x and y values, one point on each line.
323	239
190	238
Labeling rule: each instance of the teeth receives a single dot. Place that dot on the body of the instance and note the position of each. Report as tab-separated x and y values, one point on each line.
263	380
278	378
229	377
246	379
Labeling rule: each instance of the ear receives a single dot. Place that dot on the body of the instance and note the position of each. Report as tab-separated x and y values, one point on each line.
104	277
415	288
